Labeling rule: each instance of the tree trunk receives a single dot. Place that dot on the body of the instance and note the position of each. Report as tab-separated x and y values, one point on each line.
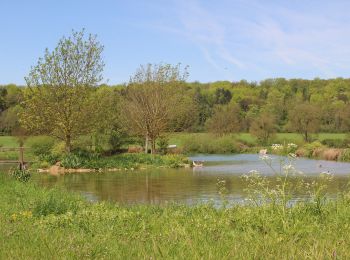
68	144
153	146
146	144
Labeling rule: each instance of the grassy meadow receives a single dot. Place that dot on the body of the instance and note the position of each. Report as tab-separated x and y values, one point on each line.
180	138
54	224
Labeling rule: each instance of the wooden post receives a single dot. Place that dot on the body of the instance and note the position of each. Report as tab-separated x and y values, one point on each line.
21	158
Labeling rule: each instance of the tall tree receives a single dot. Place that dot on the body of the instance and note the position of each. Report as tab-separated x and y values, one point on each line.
57	101
263	126
225	119
304	119
149	98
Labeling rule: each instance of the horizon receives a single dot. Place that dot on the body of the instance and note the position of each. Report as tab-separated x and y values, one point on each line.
230	41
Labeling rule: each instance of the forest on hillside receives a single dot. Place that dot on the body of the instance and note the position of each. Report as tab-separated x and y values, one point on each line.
276	105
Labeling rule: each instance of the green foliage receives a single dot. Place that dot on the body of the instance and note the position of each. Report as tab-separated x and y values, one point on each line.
116	139
60	85
120	161
225	120
32	217
163	143
336	143
263	127
20	175
72	161
41	145
55	203
345	155
310	148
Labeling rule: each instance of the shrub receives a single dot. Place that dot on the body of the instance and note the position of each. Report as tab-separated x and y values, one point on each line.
313	149
335	143
163	143
116	140
41	145
72	161
20	175
58	149
345	155
49	158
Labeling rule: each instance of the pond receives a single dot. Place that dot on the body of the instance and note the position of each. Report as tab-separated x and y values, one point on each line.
188	186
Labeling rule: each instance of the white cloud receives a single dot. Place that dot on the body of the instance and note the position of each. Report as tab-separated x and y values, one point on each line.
286	37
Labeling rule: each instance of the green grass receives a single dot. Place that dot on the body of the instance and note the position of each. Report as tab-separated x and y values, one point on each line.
122	161
37	223
8	141
181	138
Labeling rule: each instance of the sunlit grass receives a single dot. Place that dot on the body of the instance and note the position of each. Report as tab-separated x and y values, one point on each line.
53	224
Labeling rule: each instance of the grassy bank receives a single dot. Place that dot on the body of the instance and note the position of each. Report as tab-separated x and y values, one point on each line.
120	161
47	151
53	224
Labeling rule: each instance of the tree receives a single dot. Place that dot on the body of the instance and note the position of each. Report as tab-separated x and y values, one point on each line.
263	126
149	99
304	119
222	96
106	104
225	120
57	101
184	115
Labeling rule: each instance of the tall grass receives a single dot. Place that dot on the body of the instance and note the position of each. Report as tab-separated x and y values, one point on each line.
53	224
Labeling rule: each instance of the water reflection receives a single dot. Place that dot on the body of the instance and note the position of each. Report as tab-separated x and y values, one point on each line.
189	186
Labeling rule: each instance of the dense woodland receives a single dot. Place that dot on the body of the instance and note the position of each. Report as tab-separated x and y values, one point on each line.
225	107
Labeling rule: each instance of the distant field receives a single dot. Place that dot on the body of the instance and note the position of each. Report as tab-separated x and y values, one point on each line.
180	138
8	141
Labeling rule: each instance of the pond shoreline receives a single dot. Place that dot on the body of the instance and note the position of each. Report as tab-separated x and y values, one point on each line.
55	169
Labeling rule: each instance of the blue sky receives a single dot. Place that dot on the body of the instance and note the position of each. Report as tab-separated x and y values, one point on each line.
219	40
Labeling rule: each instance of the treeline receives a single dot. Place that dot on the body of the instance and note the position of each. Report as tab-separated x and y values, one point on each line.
224	106
64	98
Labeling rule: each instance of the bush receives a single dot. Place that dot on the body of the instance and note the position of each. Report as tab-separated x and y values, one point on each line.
116	140
72	161
20	175
41	145
345	155
49	158
313	149
58	149
163	143
336	143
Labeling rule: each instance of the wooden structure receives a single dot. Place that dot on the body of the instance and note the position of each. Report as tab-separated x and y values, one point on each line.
20	160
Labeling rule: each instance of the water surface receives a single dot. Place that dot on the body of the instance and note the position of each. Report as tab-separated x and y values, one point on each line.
189	186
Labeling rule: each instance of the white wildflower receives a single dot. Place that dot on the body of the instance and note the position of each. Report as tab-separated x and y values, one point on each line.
292	145
276	146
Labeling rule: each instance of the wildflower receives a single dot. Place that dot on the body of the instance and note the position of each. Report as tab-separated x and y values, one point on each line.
14	217
26	214
292	145
276	146
252	172
288	167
